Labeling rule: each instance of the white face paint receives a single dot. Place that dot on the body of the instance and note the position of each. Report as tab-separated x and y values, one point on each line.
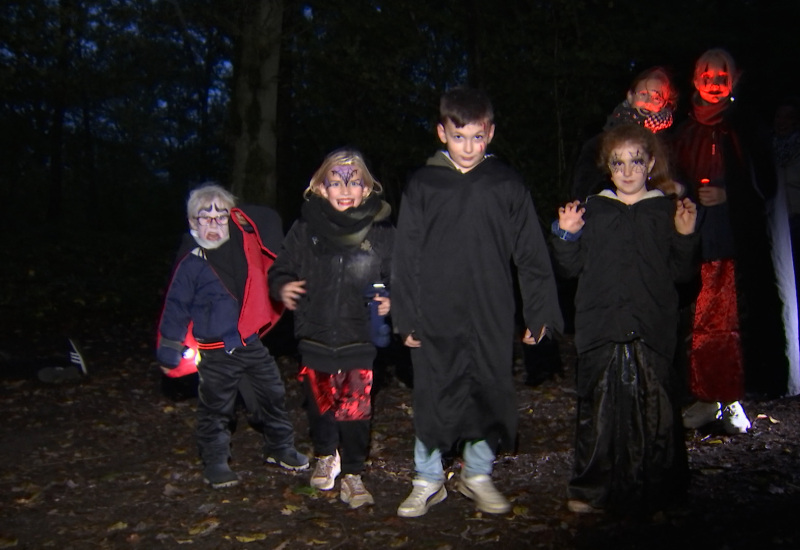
211	226
714	83
649	96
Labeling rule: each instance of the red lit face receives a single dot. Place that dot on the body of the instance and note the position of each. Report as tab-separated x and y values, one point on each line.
649	96
713	83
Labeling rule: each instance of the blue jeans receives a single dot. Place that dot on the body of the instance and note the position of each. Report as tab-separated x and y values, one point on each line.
478	459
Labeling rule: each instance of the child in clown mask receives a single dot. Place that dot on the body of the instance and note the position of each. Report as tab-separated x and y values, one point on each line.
340	247
649	102
627	248
218	291
744	326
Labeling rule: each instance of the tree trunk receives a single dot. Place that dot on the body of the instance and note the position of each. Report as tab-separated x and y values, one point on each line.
254	102
63	44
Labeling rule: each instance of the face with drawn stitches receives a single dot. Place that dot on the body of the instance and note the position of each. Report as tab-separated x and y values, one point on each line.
344	187
713	83
211	223
466	145
629	165
648	96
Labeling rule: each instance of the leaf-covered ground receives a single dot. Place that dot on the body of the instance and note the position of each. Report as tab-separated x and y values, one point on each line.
110	462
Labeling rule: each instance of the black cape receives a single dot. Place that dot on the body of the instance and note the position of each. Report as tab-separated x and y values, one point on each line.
453	287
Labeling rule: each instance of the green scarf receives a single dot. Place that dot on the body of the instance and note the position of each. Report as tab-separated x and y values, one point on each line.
343	229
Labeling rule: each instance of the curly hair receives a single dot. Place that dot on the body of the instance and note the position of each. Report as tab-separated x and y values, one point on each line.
649	142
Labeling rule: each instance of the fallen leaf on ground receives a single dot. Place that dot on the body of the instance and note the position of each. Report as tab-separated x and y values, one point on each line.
204	527
251	538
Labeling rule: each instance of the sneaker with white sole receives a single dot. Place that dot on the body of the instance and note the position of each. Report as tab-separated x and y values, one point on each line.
326	471
354	493
220	476
424	495
701	413
487	498
288	458
734	419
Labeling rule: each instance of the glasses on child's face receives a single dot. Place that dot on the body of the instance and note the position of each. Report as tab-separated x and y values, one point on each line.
220	220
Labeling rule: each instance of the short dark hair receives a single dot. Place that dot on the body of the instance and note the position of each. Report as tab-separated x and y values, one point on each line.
464	105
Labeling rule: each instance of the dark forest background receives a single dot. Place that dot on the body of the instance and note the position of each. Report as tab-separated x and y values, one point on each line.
110	110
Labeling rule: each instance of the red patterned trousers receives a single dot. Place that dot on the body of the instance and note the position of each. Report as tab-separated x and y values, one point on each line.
716	371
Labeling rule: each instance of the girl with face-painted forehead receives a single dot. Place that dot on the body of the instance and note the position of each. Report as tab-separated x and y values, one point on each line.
332	271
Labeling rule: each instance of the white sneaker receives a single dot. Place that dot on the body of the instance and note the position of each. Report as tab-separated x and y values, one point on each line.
487	498
701	413
354	493
326	471
424	495
734	419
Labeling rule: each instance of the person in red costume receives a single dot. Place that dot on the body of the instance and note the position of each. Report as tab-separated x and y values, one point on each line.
738	341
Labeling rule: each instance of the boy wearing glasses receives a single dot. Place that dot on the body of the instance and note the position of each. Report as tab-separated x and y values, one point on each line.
219	292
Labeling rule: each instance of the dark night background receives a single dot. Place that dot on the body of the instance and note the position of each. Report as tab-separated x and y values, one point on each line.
112	110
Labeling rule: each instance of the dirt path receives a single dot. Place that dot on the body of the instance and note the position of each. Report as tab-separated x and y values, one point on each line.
110	462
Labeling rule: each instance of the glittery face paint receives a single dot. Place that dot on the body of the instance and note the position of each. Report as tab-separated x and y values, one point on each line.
344	175
466	145
629	166
344	187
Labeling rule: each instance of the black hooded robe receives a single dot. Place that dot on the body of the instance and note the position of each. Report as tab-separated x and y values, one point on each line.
453	288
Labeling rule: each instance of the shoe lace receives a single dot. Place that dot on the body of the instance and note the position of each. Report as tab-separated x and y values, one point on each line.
355	484
324	466
732	409
420	494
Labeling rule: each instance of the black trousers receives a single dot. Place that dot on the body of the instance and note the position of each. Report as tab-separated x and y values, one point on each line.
253	370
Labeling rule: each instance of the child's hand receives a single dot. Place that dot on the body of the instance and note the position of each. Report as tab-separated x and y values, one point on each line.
385	304
711	195
570	217
291	292
412	342
685	216
530	340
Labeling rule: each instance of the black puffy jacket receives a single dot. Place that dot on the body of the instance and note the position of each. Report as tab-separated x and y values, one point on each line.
338	262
